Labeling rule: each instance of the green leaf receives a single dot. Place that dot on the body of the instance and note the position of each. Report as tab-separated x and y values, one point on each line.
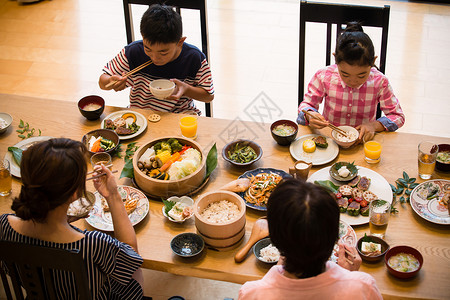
394	210
21	136
403	182
393	188
366	239
408	192
17	154
411	180
211	160
405	176
127	170
402	199
413	185
118	151
168	206
328	184
40	132
21	123
20	130
400	190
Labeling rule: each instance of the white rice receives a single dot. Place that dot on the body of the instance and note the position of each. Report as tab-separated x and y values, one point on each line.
351	136
3	123
269	253
220	212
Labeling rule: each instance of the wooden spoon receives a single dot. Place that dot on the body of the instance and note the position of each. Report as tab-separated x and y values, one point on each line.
260	230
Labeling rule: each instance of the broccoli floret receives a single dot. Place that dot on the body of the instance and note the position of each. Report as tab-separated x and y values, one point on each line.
176	146
164	147
171	140
157	146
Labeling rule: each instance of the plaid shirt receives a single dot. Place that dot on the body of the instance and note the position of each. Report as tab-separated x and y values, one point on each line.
352	106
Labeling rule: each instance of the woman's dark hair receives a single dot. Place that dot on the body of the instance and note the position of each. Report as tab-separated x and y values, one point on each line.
304	225
161	24
354	46
52	171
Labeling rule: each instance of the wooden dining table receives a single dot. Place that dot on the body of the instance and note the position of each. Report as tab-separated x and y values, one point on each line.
154	233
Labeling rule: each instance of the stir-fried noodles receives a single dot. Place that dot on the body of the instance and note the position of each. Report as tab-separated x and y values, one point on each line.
261	186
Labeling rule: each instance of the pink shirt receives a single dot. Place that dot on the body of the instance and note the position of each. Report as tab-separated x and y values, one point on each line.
335	283
344	105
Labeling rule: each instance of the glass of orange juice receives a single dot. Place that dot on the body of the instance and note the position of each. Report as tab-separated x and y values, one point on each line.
188	126
372	148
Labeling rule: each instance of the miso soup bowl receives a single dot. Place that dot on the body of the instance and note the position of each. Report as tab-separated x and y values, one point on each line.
284	140
91	114
403	249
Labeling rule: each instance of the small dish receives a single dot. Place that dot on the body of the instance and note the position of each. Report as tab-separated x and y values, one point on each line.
81	207
231	146
407	250
441	166
105	133
374	239
91	107
8	119
343	141
162	88
334	171
284	140
187	203
187	244
261	244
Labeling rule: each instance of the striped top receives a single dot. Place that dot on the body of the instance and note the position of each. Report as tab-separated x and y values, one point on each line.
109	264
190	67
344	105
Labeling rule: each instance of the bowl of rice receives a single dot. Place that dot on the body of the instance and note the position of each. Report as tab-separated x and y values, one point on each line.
219	216
5	122
91	107
345	141
266	252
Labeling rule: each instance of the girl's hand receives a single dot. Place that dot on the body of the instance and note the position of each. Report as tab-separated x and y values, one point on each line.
367	130
106	185
317	121
352	261
180	89
121	82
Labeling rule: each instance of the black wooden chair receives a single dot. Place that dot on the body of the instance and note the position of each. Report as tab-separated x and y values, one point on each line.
340	14
30	267
199	5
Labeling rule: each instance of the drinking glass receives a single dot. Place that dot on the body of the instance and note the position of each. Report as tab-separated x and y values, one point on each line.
379	211
372	148
5	178
101	158
188	126
427	159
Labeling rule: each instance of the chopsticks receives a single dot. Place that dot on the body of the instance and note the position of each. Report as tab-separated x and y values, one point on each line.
100	175
350	254
329	124
108	166
131	72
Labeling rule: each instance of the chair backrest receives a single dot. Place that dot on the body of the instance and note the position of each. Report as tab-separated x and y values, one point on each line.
199	5
31	267
340	14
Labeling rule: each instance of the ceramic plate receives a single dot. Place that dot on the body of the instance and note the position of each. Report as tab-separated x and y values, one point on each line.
101	220
320	156
251	173
140	120
433	210
346	236
15	168
378	185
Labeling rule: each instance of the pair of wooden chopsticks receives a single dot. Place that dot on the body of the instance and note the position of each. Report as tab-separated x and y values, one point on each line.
350	254
131	72
100	175
329	124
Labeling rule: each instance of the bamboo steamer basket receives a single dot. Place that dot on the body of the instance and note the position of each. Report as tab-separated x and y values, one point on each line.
220	234
167	188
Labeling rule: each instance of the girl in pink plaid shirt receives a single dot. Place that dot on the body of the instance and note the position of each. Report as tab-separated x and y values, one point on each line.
352	89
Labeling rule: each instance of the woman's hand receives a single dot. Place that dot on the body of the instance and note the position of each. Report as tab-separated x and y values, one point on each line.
106	185
316	120
351	261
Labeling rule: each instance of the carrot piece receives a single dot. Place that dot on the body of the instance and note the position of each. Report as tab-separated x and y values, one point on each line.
172	159
96	146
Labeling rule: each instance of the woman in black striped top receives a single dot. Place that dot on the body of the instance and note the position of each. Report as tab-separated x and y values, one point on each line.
53	174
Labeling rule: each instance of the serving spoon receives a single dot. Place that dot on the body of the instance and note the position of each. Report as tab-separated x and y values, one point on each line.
260	230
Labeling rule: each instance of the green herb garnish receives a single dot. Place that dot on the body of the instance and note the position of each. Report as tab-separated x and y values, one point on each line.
25	131
403	188
211	160
127	170
168	206
17	154
328	184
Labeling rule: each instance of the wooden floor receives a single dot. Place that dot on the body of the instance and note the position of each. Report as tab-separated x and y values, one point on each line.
56	49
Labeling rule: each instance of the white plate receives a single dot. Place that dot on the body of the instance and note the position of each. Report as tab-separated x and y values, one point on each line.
140	120
102	220
431	210
15	168
378	185
183	199
320	156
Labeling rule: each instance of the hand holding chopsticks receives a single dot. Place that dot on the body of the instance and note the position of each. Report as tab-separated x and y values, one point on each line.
101	174
130	73
344	133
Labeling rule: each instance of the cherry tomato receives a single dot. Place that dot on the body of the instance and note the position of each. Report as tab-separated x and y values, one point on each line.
338	195
350	200
358	199
363	203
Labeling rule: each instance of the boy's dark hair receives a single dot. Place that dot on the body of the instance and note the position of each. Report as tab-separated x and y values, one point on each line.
354	46
161	24
304	225
52	171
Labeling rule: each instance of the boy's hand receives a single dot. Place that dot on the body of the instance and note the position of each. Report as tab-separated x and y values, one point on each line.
179	91
351	261
121	82
317	121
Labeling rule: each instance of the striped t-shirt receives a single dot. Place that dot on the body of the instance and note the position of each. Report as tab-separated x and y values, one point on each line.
109	264
190	67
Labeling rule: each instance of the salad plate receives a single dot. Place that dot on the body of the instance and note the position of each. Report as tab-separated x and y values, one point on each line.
141	121
347	235
379	186
427	200
15	167
320	156
101	220
252	173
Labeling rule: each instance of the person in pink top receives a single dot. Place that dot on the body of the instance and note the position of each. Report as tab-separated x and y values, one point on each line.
303	223
351	89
